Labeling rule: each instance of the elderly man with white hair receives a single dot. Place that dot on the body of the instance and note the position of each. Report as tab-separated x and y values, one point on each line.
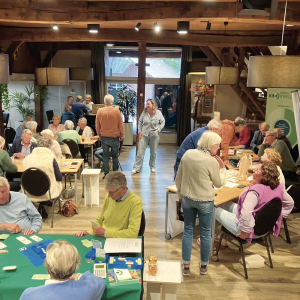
69	133
86	132
88	101
191	141
17	213
62	261
55	147
110	129
22	146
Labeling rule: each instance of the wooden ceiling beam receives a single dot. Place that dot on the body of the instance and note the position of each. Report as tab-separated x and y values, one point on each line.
230	39
64	12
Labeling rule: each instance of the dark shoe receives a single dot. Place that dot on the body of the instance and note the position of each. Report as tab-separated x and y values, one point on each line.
203	269
185	271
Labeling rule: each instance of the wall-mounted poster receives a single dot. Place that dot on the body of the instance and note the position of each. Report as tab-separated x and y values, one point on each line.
207	102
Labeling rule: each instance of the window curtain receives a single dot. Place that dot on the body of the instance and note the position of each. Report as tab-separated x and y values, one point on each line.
184	99
98	65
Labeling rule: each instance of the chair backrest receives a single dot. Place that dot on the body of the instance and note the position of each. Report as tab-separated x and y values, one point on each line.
295	153
35	181
267	216
5	118
50	114
9	135
143	224
72	146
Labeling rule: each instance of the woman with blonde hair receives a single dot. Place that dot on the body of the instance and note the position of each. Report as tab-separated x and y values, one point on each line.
273	156
151	122
56	127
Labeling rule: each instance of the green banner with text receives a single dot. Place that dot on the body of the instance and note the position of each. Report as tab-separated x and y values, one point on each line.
280	112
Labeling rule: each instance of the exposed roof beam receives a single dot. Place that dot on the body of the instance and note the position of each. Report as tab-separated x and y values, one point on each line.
64	12
211	38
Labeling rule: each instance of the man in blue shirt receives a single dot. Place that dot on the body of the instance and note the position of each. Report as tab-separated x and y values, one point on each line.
190	142
17	213
79	109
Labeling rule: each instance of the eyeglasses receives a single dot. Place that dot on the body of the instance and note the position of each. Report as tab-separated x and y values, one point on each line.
111	193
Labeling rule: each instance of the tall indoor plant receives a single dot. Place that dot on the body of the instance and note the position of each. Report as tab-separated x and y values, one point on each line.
127	101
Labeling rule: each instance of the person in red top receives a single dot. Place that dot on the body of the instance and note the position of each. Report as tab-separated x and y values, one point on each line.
229	130
110	129
244	139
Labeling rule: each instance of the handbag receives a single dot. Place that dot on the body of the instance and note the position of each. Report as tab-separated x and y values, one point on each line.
68	193
69	209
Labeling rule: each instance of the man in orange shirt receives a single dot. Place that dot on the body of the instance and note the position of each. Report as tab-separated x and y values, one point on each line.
110	129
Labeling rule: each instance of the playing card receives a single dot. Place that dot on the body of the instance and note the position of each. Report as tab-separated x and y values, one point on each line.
2	245
40	276
4	236
36	238
23	240
22	249
97	244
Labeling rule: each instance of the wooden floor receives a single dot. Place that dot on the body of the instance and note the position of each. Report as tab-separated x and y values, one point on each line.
224	279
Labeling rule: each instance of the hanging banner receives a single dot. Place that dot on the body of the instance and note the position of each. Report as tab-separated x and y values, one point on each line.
280	112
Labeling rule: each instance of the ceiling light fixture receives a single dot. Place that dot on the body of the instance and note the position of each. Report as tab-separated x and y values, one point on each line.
290	25
55	27
137	26
119	52
221	75
183	27
156	27
109	45
274	71
93	28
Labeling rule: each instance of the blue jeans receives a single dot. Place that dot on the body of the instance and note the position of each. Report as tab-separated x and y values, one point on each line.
226	215
205	213
113	144
144	141
99	153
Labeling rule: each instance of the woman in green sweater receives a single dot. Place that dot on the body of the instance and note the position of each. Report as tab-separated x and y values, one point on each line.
6	164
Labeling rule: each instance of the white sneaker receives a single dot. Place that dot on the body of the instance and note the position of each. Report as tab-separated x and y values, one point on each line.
153	170
134	171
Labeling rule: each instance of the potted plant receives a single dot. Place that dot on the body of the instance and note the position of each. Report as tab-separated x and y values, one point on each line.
127	102
4	96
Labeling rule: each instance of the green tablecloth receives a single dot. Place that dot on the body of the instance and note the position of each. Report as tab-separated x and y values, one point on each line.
13	283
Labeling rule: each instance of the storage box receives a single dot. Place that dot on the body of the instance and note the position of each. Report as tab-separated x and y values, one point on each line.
254	261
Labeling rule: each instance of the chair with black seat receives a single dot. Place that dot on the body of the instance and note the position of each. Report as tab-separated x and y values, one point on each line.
50	114
5	119
265	220
73	146
37	183
9	135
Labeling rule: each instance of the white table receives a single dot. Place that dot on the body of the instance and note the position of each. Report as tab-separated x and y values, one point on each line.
163	286
90	177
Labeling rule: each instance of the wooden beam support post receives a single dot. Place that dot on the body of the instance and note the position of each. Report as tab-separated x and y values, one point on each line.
11	51
39	108
241	59
141	85
1	118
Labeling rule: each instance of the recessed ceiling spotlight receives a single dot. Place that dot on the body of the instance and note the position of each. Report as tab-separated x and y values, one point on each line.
183	27
137	27
93	28
289	25
118	52
156	27
55	27
109	45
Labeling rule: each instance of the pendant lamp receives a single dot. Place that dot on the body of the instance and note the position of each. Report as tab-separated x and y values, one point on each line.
52	76
4	68
81	74
274	71
221	75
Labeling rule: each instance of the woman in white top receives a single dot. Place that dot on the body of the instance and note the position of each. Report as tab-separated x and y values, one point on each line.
88	101
273	156
198	173
55	147
56	128
151	122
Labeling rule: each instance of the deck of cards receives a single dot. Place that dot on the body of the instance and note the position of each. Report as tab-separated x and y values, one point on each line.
40	276
23	240
4	236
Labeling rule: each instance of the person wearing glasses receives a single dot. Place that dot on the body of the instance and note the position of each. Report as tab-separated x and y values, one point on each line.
288	166
239	218
121	213
191	141
259	136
